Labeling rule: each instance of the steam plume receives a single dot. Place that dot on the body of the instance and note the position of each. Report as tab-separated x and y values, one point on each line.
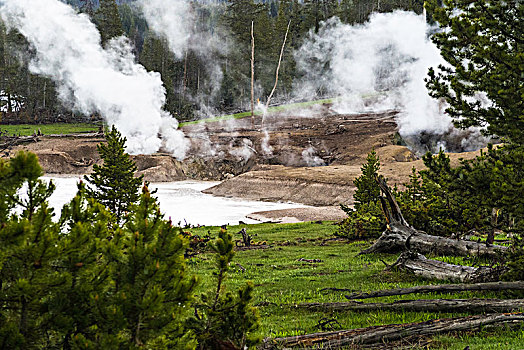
177	22
381	65
94	79
170	19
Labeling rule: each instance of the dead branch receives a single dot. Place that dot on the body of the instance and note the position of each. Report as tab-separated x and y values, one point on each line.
375	335
424	305
439	288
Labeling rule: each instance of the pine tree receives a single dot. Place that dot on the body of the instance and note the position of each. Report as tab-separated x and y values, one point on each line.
367	188
113	184
107	20
150	288
27	251
367	219
482	82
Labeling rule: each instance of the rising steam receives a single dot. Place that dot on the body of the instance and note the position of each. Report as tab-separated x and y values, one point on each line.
93	79
381	65
171	20
177	22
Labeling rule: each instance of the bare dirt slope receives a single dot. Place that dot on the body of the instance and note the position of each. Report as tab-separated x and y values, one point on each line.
274	158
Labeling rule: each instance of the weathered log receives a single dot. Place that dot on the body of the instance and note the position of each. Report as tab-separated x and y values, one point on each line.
424	305
18	140
7	142
434	269
400	236
439	288
389	333
77	135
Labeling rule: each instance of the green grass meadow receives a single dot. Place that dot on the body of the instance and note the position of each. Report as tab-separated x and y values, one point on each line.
71	128
281	281
48	129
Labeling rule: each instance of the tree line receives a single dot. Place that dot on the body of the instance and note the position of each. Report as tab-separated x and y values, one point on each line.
189	81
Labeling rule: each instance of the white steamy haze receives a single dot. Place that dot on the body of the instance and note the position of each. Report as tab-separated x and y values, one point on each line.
379	65
94	79
171	20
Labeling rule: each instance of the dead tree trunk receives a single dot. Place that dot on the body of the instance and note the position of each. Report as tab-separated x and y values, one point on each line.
433	269
439	288
252	74
375	335
475	306
400	236
278	66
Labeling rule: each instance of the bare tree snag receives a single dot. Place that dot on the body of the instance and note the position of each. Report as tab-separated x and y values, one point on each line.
424	305
278	66
252	74
376	335
400	236
440	288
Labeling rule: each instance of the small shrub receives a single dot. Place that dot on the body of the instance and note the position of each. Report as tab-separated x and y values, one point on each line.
225	320
366	222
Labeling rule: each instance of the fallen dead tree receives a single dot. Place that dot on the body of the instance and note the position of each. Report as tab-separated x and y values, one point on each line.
424	305
86	135
371	336
439	288
400	236
6	142
419	265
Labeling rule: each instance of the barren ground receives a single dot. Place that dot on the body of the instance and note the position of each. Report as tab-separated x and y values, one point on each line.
285	169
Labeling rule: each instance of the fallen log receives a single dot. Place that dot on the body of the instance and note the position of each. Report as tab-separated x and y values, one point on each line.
87	135
419	265
375	335
424	305
400	236
439	288
18	140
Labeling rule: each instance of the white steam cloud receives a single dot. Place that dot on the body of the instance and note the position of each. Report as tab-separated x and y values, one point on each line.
94	79
177	22
171	20
379	65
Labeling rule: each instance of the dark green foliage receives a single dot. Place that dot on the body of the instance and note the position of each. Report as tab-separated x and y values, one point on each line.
367	219
363	223
144	304
107	20
429	202
82	282
114	183
515	256
27	251
466	197
223	319
367	187
483	46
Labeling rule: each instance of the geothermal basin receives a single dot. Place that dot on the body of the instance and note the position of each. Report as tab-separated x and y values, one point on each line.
183	202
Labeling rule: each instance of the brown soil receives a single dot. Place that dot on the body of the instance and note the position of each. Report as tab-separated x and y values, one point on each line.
341	142
299	215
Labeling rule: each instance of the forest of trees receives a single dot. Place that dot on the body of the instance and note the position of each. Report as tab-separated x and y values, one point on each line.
188	81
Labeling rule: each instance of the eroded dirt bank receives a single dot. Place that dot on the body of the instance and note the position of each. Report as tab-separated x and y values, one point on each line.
275	159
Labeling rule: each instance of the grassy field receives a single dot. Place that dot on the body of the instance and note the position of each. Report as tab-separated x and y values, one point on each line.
259	112
65	128
47	129
282	281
